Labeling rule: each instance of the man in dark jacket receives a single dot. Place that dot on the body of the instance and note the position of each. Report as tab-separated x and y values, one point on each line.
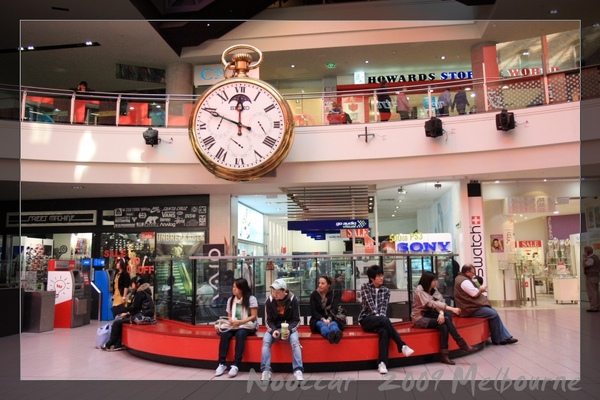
140	311
591	268
281	307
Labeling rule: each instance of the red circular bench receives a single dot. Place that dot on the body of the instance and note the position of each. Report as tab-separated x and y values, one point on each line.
177	343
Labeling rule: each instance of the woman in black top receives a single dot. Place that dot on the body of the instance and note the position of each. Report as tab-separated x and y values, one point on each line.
322	301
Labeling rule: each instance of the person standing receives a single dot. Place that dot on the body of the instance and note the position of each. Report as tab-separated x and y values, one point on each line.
473	302
384	103
403	105
591	270
242	312
460	101
338	286
322	302
444	102
430	311
121	284
281	307
373	317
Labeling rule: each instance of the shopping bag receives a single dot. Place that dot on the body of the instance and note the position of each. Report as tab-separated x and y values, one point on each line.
103	335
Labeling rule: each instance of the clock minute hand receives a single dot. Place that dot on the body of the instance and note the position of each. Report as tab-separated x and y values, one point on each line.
216	114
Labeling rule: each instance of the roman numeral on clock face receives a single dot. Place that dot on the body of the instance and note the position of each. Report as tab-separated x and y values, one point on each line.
223	95
269	141
240	89
276	124
258	156
201	125
221	155
269	108
209	142
239	161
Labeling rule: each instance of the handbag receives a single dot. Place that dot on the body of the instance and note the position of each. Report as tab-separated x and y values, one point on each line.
103	335
339	316
222	325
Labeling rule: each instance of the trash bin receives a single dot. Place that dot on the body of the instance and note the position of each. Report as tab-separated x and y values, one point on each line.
38	311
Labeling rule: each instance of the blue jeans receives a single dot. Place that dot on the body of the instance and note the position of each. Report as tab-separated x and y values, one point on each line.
497	329
325	330
293	339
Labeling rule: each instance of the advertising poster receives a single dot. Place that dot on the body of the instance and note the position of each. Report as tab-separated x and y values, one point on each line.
497	243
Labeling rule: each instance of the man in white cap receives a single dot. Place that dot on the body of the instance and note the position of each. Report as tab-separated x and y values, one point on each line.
281	307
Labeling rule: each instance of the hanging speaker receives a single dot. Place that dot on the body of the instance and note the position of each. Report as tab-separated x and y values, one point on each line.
505	121
433	127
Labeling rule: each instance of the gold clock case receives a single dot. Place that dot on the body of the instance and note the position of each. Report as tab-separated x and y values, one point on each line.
247	174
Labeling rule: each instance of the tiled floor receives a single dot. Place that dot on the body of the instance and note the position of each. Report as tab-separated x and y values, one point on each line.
70	354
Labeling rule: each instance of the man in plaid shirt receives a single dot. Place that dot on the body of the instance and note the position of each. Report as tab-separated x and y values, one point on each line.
375	299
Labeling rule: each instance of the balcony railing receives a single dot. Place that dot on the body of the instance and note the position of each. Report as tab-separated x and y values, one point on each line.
310	109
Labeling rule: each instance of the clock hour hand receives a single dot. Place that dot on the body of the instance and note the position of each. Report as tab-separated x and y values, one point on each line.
216	114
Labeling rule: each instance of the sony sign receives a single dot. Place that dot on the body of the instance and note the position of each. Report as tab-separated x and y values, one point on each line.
423	242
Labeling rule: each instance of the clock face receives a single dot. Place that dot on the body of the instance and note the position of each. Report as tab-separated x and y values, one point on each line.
241	129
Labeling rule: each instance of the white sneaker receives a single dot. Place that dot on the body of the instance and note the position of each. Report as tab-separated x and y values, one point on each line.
382	368
266	376
220	369
407	351
233	371
298	375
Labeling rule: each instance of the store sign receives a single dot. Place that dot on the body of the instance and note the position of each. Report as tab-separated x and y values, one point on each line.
327	225
475	239
420	77
52	218
205	75
357	233
514	72
161	217
422	242
529	243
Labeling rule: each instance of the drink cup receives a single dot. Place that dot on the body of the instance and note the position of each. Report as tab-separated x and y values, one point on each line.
284	328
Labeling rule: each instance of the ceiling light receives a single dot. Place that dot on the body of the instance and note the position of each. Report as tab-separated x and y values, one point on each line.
401	190
443	57
293	65
497	182
526	53
556	212
399	200
366	61
554	11
29	47
89	43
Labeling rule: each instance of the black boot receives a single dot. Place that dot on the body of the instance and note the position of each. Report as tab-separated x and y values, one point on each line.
444	357
465	347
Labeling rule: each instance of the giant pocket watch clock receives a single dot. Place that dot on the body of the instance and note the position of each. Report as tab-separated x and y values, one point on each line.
241	128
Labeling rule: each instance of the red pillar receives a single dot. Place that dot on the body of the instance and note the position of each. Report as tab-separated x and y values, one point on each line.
484	63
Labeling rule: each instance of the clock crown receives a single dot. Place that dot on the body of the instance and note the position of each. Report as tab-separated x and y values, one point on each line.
241	64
